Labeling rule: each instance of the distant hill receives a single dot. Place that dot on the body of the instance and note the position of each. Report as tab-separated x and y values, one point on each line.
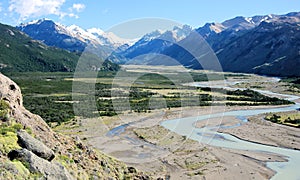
18	52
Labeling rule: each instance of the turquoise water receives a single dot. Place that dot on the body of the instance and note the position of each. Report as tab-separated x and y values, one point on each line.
185	127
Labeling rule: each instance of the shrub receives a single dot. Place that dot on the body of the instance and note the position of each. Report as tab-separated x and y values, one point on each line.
4	110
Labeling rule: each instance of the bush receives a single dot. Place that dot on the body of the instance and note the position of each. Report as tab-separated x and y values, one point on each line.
4	110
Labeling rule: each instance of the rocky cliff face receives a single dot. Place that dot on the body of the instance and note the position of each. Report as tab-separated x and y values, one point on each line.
29	149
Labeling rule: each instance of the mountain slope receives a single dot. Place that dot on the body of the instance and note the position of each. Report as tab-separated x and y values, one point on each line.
266	45
21	53
52	35
154	42
18	52
72	38
272	48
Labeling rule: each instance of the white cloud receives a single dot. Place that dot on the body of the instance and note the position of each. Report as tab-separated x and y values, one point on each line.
72	15
78	7
35	8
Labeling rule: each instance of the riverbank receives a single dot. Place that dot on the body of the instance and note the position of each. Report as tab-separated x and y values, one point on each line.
209	136
160	152
188	159
261	131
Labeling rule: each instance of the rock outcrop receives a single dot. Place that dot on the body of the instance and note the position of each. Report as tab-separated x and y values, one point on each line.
34	145
51	171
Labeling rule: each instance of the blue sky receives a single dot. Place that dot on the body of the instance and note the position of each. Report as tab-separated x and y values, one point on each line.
107	13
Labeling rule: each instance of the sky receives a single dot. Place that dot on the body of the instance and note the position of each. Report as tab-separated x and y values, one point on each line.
105	14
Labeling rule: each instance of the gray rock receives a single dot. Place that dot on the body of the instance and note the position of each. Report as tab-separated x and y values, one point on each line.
27	141
132	170
49	170
8	167
10	92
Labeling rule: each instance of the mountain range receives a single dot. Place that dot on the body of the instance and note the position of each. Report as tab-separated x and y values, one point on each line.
154	42
72	37
266	44
271	48
19	52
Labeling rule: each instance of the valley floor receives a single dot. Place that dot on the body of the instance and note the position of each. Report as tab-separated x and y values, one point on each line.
139	140
153	149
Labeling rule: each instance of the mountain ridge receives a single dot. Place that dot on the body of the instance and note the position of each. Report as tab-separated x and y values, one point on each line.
21	53
219	36
72	38
154	42
234	48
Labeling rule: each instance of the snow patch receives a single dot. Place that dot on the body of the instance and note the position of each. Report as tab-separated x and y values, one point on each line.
93	36
249	20
38	21
11	33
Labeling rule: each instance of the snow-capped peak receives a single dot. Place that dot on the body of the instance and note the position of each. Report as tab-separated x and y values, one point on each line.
37	22
109	37
94	36
80	33
95	31
153	35
176	34
249	20
74	28
181	32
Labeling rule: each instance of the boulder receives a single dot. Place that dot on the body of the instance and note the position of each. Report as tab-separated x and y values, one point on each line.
37	147
10	92
49	170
